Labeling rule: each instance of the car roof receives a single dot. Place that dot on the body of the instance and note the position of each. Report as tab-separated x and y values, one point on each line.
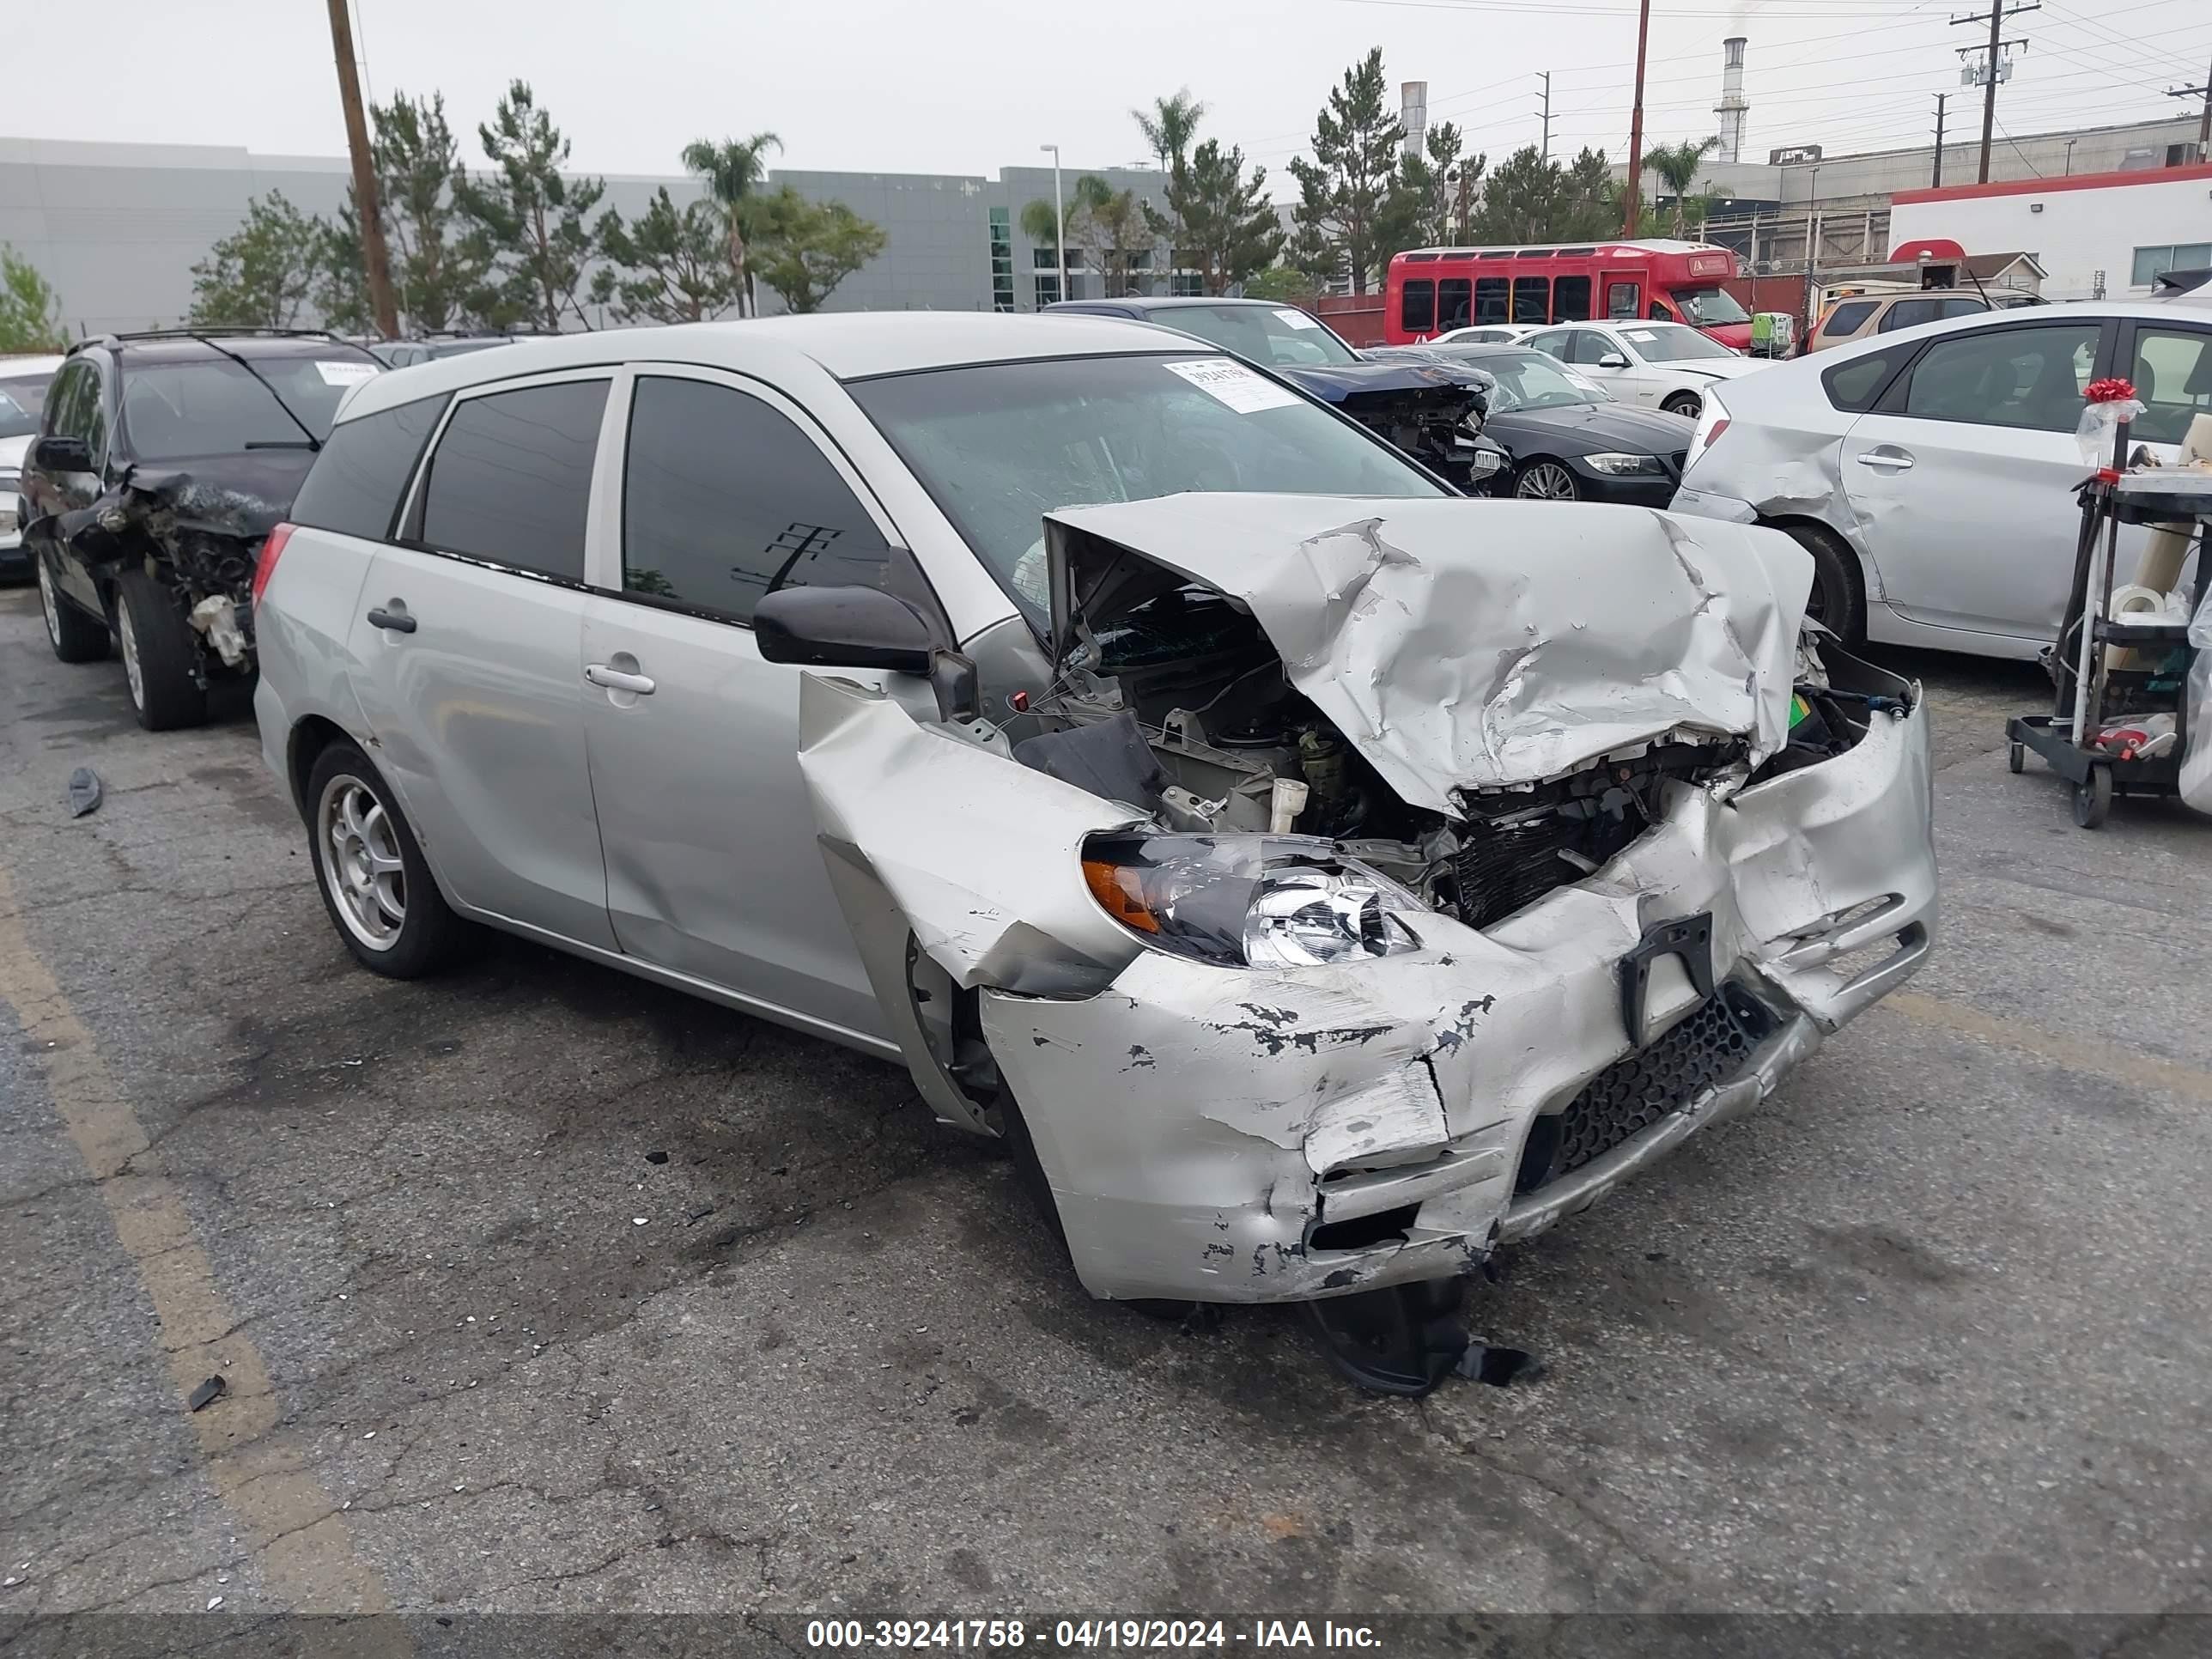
184	348
854	345
1173	302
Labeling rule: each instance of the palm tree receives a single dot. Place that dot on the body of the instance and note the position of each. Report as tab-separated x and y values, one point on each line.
731	170
1677	167
1168	126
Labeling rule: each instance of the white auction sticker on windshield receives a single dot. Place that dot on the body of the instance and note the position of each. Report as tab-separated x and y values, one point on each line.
1641	336
1235	384
1297	319
343	373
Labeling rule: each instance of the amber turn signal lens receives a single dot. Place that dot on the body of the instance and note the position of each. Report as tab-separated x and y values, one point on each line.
1118	892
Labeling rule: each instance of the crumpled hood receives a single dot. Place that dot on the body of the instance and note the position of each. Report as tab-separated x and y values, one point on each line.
1468	645
1349	383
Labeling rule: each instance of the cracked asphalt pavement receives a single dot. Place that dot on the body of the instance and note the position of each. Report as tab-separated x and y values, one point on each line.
1930	1332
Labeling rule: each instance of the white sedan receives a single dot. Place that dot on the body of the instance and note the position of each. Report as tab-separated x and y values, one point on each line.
1657	365
1930	472
1485	334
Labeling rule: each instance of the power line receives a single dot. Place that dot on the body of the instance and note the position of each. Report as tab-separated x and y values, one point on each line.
1993	63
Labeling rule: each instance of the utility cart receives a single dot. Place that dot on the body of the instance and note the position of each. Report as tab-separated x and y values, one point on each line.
2095	691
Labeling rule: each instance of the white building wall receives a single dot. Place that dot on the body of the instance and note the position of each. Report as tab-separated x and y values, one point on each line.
2085	237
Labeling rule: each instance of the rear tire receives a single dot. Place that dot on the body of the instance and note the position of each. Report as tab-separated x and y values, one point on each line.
1685	403
378	891
1836	602
158	655
75	636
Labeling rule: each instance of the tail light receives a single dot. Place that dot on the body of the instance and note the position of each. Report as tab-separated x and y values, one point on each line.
1712	421
266	567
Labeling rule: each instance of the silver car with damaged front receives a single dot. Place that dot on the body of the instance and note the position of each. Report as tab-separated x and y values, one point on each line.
1550	844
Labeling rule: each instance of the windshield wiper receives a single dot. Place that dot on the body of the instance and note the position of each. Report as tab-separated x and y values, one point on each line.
314	442
283	443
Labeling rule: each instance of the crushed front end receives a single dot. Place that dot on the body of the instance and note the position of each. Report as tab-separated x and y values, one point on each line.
1382	883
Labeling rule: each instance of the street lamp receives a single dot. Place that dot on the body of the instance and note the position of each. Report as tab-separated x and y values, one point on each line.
1058	220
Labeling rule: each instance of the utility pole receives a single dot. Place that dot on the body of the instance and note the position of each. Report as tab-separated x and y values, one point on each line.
1997	19
1936	183
2204	125
1635	122
367	206
1547	74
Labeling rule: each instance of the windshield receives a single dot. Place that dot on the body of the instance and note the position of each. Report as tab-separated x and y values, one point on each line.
1281	336
1709	307
215	406
1529	380
998	446
1671	343
16	420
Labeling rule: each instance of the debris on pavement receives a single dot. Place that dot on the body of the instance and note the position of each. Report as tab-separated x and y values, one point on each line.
1499	1367
84	791
656	1157
207	1394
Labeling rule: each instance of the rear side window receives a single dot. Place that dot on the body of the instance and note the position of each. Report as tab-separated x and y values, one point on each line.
1490	303
1455	304
725	500
1532	299
1908	314
511	475
1571	298
1855	385
1849	317
1417	307
355	484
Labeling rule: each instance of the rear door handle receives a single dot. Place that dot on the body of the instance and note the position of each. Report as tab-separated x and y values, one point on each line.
1896	461
615	680
398	621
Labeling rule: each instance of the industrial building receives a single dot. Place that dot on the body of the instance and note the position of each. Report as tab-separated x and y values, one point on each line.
116	229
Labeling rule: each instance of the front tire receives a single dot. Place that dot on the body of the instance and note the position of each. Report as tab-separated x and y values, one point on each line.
75	636
1545	481
1685	403
379	892
158	655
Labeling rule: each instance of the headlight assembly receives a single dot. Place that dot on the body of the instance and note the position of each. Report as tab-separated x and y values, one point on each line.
1617	465
1248	901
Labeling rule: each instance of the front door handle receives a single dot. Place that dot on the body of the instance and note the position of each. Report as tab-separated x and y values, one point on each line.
398	621
615	680
1895	461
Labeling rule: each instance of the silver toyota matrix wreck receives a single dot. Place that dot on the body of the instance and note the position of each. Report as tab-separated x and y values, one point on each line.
1317	879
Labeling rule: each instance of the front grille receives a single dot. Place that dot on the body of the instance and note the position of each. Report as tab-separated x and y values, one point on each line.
1503	866
1703	1051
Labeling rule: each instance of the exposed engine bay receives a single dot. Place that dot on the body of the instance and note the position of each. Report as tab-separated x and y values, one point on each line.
1180	705
1438	423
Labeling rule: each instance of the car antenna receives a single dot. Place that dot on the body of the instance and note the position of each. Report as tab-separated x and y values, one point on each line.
315	443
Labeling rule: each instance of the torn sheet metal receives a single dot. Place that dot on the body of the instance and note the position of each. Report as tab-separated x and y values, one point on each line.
1211	1133
1465	647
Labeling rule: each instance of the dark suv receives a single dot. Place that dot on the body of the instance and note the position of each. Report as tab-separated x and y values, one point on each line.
162	462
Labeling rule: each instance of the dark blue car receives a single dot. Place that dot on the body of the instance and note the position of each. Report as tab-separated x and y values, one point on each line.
1432	411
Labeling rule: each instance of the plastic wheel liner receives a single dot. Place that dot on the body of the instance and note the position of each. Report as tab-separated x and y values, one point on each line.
1275	1133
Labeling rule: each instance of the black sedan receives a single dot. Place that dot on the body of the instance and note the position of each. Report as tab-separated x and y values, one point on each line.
1569	440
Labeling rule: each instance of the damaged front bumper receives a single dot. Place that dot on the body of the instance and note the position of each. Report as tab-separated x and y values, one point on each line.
1250	1135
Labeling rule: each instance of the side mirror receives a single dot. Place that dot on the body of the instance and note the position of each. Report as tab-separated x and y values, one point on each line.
842	628
1613	360
59	454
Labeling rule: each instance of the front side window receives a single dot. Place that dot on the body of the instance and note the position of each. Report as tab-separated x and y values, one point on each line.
2172	375
355	484
1671	343
1907	313
998	445
511	477
2012	377
724	500
1623	300
1417	307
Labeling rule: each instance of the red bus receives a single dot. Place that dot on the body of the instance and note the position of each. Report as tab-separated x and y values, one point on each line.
1430	291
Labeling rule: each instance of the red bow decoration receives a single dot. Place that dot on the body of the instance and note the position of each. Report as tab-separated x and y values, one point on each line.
2112	391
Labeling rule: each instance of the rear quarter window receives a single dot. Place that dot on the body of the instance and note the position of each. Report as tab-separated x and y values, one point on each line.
1855	385
356	482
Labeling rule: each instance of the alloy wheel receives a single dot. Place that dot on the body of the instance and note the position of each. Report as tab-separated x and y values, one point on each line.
1546	480
361	866
47	602
127	636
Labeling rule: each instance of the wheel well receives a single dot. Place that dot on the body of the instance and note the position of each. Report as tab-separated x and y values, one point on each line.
1854	568
309	738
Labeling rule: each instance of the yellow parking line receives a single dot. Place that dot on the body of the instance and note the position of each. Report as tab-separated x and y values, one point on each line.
2087	1055
307	1557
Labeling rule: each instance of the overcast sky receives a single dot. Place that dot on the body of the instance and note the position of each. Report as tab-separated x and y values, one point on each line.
970	86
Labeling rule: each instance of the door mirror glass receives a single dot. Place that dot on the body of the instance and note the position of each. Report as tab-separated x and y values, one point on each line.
842	628
1613	360
60	454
